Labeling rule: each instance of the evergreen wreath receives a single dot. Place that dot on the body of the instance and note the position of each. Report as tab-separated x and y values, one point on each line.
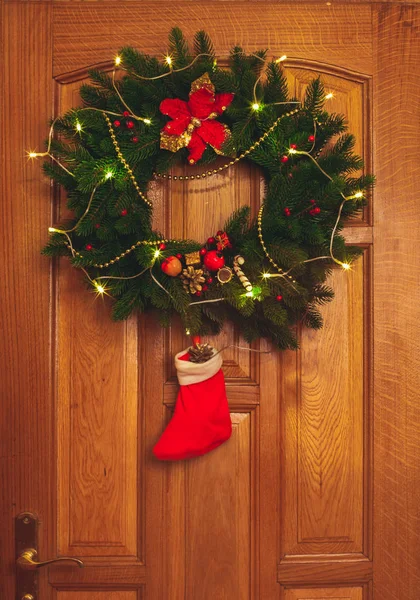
266	274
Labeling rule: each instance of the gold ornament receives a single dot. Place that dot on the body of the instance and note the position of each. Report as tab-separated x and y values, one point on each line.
224	275
193	258
202	82
192	279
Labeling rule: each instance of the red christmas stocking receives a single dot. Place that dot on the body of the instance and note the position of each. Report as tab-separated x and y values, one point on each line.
201	420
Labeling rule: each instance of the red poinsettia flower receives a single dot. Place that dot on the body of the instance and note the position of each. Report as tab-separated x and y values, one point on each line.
193	124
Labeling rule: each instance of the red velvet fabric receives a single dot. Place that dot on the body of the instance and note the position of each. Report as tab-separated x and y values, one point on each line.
201	421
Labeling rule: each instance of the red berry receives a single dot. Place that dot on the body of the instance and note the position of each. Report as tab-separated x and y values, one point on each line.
117	123
124	212
135	139
130	124
97	225
219	232
317	210
205	288
126	113
211	240
279	298
287	212
210	280
312	201
162	246
179	256
203	251
284	159
89	246
293	146
198	293
311	138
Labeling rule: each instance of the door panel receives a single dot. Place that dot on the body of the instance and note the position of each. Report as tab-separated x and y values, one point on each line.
284	509
325	594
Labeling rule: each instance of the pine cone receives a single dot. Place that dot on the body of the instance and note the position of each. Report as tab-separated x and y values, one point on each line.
192	279
200	353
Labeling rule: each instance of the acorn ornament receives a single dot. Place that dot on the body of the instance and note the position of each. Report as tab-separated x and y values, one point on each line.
238	261
171	266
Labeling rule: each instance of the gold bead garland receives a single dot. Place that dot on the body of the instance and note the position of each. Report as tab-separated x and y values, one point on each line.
260	237
232	162
123	161
129	250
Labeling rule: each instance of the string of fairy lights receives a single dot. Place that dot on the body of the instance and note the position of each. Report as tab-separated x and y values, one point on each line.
156	245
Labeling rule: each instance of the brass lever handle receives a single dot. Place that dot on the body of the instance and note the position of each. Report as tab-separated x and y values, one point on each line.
26	560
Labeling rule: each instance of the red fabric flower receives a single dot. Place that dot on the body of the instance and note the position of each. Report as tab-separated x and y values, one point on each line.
193	124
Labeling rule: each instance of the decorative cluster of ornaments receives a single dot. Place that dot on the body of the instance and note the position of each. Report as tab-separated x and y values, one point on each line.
197	269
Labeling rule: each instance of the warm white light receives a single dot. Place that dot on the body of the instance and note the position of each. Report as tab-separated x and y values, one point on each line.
157	253
345	266
256	106
187	332
358	195
108	175
168	60
117	60
32	154
329	96
249	294
52	230
266	275
281	59
292	151
78	126
100	288
147	121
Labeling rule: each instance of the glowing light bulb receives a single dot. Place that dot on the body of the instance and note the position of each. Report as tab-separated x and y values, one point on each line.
52	230
32	154
249	294
292	150
329	96
109	174
345	266
358	195
157	253
168	60
117	60
100	288
147	121
78	126
256	106
266	275
187	332
281	59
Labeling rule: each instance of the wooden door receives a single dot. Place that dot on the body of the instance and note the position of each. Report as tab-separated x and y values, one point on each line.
314	496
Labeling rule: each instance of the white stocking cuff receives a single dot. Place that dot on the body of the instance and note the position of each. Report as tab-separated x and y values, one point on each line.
189	372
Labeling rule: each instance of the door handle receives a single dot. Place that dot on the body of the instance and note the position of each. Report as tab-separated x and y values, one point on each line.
27	565
26	560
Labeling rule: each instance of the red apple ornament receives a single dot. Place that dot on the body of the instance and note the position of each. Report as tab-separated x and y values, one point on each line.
171	266
213	260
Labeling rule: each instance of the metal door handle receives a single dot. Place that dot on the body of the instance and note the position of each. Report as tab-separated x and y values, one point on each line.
26	560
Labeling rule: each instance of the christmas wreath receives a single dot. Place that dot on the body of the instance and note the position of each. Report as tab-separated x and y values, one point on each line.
267	273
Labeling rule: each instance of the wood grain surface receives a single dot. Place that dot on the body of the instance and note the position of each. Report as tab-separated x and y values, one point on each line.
321	476
396	297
